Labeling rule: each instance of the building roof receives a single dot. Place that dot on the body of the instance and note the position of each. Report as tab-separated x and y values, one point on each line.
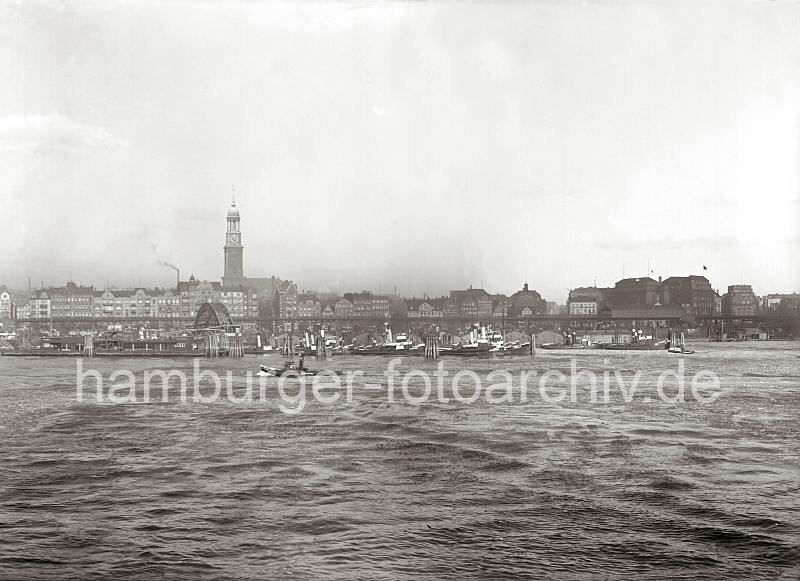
525	291
690	277
194	283
415	304
472	293
638	280
71	289
364	296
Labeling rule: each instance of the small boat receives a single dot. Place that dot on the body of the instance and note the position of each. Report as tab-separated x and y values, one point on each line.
290	369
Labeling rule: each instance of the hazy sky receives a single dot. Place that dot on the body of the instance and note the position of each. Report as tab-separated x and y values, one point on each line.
424	145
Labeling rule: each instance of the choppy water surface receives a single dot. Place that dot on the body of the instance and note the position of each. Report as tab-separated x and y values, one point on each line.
373	489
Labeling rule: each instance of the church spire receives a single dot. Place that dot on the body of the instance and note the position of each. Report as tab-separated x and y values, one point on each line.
233	195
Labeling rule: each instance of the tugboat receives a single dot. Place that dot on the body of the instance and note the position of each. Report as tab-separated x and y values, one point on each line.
400	345
291	369
478	345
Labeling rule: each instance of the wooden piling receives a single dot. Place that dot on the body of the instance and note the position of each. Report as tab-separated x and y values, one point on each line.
321	351
431	347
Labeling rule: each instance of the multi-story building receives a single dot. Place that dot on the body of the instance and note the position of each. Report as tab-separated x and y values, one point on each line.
501	306
103	304
308	306
473	303
693	293
71	301
450	308
368	305
528	303
739	301
286	300
193	293
781	302
343	309
583	307
140	304
5	303
37	307
167	303
424	308
586	300
241	302
125	303
630	292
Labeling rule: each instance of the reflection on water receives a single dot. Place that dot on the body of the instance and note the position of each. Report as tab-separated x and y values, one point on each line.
374	489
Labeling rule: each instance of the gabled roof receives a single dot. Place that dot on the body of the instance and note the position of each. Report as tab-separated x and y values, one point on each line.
194	283
475	294
415	304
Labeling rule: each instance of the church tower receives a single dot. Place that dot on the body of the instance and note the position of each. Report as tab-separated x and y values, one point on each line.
234	263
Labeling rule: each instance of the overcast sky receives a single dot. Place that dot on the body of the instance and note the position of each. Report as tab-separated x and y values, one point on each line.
423	145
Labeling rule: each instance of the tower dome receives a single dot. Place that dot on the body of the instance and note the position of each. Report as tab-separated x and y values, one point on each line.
233	211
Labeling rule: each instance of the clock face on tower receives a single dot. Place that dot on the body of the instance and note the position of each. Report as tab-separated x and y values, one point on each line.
234	238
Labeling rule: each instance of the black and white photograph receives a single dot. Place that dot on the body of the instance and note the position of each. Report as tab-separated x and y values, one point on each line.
399	290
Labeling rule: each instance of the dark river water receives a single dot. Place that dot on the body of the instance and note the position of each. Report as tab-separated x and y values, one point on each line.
377	489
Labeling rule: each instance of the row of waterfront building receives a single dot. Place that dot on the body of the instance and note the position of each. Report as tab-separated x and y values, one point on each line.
677	295
472	303
78	302
74	301
635	298
250	298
